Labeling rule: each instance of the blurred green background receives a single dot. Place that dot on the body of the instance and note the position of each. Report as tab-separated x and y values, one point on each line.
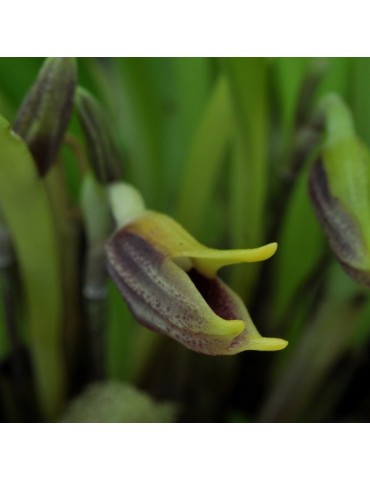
224	146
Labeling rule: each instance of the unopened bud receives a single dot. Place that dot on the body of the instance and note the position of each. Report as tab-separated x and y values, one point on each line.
44	114
340	191
105	158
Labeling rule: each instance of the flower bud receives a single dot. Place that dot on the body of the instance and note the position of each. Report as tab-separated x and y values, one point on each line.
103	152
339	187
44	114
169	282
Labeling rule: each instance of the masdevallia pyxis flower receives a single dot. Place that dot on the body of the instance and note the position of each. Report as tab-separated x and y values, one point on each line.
169	280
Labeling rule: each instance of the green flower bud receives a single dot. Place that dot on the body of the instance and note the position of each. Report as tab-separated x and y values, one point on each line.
44	114
339	187
103	152
169	280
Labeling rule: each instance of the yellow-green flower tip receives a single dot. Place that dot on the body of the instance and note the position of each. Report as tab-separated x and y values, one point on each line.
209	260
169	282
267	344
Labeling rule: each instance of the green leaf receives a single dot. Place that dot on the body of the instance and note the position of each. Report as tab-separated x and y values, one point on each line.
290	74
248	86
360	98
142	121
16	75
191	91
327	337
247	78
301	246
337	77
26	210
202	166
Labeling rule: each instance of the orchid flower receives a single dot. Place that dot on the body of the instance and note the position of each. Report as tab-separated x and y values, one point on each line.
169	280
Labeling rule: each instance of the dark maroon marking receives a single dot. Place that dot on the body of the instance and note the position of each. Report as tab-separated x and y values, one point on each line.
122	242
134	264
340	229
215	295
133	255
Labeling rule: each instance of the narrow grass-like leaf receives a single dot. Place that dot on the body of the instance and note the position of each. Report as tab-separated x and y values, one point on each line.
143	128
192	78
130	93
240	276
336	78
191	90
120	330
360	97
300	249
290	73
16	75
26	210
247	78
294	326
203	163
162	75
325	340
6	108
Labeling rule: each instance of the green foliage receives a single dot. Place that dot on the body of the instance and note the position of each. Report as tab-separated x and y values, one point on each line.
226	146
28	215
207	152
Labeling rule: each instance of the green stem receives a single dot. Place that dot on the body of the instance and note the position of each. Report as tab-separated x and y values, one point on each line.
98	225
68	231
